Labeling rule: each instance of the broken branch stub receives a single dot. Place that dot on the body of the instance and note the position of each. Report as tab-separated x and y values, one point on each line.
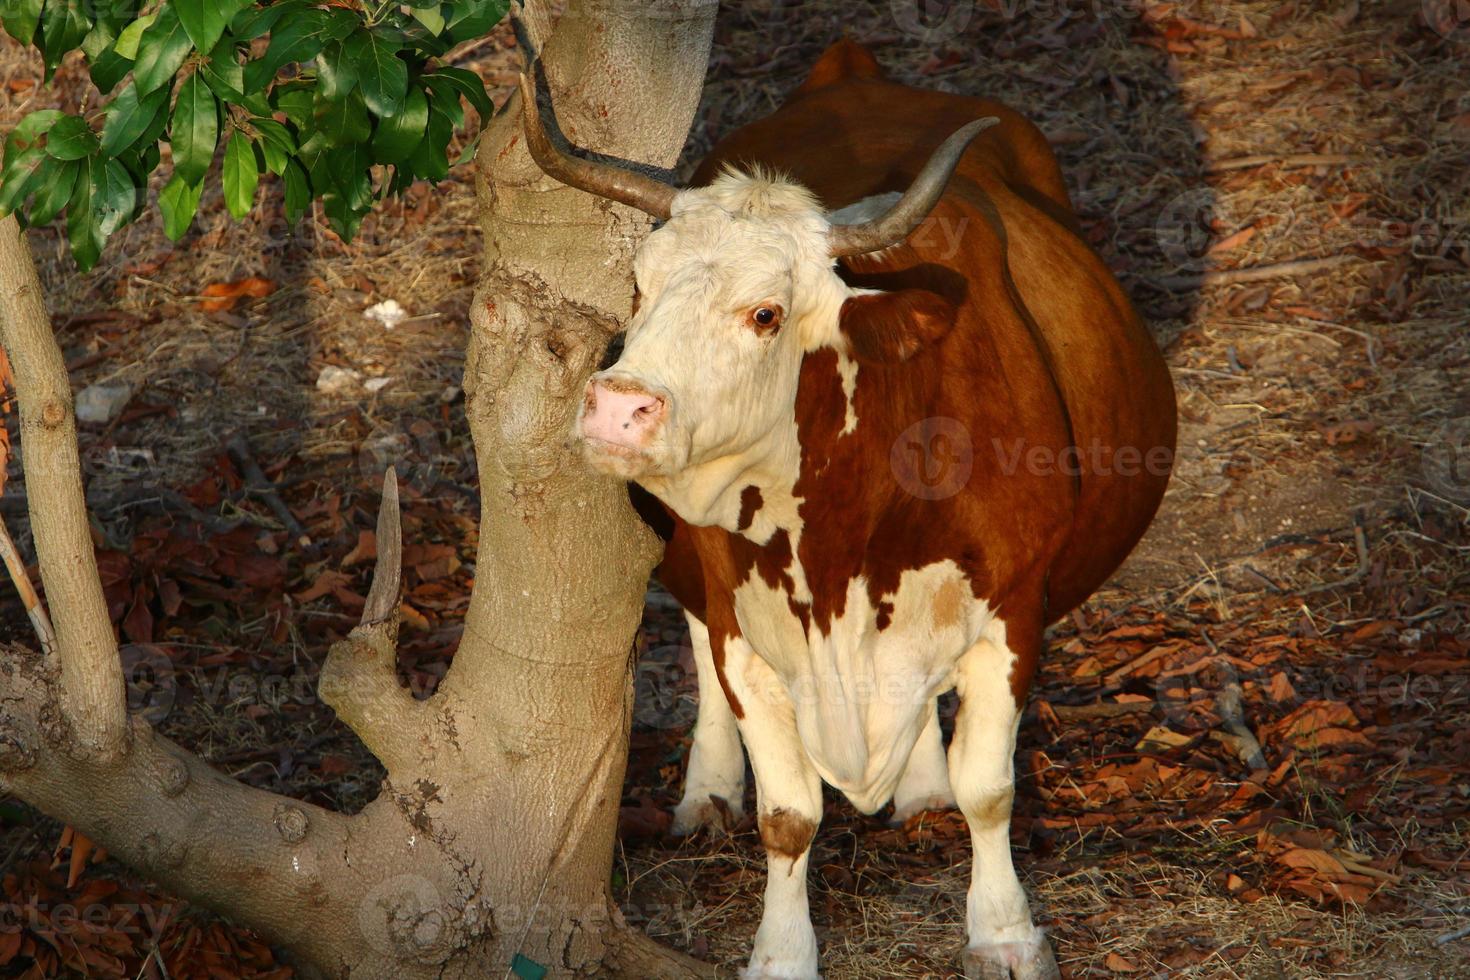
382	598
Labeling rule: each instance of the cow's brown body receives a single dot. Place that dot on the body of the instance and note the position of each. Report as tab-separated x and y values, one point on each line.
1047	353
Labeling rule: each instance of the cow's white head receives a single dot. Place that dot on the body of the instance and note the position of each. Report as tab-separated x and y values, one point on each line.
735	287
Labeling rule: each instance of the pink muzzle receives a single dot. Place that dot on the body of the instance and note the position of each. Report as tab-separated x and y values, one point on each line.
623	416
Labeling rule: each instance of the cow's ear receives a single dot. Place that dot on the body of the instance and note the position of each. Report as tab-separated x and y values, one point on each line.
893	327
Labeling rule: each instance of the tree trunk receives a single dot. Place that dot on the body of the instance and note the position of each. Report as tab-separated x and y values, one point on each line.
493	835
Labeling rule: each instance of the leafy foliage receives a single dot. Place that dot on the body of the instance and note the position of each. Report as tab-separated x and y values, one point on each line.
345	101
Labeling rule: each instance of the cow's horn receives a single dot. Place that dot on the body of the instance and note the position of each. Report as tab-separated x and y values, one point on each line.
901	219
603	179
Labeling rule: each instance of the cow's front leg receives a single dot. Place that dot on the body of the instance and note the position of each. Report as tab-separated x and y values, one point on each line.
788	795
716	759
925	781
1002	941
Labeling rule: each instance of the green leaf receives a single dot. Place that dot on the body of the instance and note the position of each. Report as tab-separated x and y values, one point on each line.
430	159
56	190
343	123
81	224
336	73
297	37
298	191
468	84
205	20
107	69
178	201
195	131
28	132
224	73
399	134
162	51
64	24
71	139
114	198
128	40
430	17
254	22
470	19
384	75
240	175
20	18
24	172
128	117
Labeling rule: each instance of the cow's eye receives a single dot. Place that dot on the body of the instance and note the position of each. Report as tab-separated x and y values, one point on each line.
765	318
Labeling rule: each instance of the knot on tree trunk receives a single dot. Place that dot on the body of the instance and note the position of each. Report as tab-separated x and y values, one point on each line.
409	919
17	752
291	823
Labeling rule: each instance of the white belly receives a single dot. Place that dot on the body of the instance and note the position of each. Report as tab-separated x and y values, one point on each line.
860	694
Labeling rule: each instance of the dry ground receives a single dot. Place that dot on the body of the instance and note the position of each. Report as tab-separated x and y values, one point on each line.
1311	554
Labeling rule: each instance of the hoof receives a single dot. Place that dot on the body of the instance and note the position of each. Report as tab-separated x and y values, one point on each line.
706	811
1012	961
937	803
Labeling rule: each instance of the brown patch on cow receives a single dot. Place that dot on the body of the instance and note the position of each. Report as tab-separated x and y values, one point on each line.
843	60
893	327
750	503
885	615
717	640
949	604
786	832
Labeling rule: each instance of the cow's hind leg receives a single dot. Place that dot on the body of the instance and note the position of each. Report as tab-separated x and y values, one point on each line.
716	758
925	781
1002	943
789	806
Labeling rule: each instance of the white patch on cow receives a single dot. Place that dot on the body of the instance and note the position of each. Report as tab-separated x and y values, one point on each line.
848	369
981	770
729	391
860	696
925	781
785	944
716	758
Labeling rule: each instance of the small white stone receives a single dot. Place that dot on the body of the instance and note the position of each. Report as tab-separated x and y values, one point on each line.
388	313
102	402
335	380
376	385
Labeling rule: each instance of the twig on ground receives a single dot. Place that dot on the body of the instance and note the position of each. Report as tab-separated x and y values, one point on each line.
239	450
1252	273
1450	937
1295	160
1360	538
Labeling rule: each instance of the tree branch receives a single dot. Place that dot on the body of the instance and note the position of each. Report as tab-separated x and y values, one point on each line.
92	693
359	679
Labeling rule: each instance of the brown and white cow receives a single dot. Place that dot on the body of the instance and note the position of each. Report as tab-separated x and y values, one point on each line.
904	418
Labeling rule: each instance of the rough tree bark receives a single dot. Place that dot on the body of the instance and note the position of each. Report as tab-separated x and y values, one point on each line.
493	834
